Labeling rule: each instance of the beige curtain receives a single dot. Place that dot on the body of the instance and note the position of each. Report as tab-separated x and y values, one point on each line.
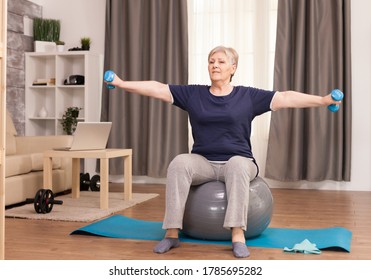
249	27
146	40
312	56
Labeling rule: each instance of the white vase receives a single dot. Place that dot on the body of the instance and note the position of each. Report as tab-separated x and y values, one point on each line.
43	113
60	48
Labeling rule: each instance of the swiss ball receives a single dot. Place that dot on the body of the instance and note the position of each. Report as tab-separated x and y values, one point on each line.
207	203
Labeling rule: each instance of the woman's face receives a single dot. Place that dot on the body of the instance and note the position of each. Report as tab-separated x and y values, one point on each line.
220	67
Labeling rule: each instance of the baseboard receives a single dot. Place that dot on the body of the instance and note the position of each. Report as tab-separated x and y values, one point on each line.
138	179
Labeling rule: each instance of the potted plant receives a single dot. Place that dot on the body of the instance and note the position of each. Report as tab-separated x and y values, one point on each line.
85	43
46	32
69	119
60	46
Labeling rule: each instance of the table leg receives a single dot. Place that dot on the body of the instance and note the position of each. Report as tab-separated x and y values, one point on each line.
47	173
128	195
104	183
75	178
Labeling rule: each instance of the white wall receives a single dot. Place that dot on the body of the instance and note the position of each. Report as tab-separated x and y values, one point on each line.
361	81
79	18
361	90
87	18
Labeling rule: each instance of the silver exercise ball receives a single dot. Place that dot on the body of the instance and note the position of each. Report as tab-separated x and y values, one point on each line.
206	205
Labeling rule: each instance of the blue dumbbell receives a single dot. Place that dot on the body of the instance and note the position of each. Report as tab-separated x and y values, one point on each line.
109	75
336	95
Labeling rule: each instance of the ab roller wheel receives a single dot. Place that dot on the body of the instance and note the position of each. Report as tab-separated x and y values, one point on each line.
108	77
336	95
43	201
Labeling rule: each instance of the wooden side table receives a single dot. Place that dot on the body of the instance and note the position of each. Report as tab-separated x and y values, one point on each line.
104	156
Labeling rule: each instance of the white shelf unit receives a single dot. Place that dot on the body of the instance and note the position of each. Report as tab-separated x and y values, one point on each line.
56	98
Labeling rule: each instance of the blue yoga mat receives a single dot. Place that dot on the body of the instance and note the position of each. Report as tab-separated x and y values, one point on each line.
119	226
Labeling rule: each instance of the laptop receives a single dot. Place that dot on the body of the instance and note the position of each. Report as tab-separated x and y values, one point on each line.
89	136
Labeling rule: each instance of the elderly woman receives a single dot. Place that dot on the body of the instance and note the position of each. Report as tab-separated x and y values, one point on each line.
220	115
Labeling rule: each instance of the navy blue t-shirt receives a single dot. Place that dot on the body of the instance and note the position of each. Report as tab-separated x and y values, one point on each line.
221	125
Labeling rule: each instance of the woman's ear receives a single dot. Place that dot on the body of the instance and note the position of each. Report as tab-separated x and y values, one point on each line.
234	68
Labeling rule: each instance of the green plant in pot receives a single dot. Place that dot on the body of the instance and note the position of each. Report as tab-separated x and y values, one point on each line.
69	119
85	43
45	33
60	45
46	29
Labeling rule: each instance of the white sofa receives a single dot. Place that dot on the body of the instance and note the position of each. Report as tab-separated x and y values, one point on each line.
24	164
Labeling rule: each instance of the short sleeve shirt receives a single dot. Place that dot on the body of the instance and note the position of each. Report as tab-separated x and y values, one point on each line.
221	125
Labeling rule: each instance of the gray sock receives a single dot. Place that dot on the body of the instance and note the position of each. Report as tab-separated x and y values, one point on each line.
166	244
240	250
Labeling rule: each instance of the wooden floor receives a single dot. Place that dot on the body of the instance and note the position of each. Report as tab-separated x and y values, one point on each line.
44	240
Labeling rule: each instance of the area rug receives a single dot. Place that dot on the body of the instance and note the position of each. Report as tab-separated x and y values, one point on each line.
119	226
84	209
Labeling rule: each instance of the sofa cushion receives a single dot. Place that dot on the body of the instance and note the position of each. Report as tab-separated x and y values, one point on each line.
10	144
17	164
10	128
37	161
11	132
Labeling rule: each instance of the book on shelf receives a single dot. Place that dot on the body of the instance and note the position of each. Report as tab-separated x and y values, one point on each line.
44	82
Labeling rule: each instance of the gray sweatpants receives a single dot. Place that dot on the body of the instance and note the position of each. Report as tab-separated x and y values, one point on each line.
191	169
